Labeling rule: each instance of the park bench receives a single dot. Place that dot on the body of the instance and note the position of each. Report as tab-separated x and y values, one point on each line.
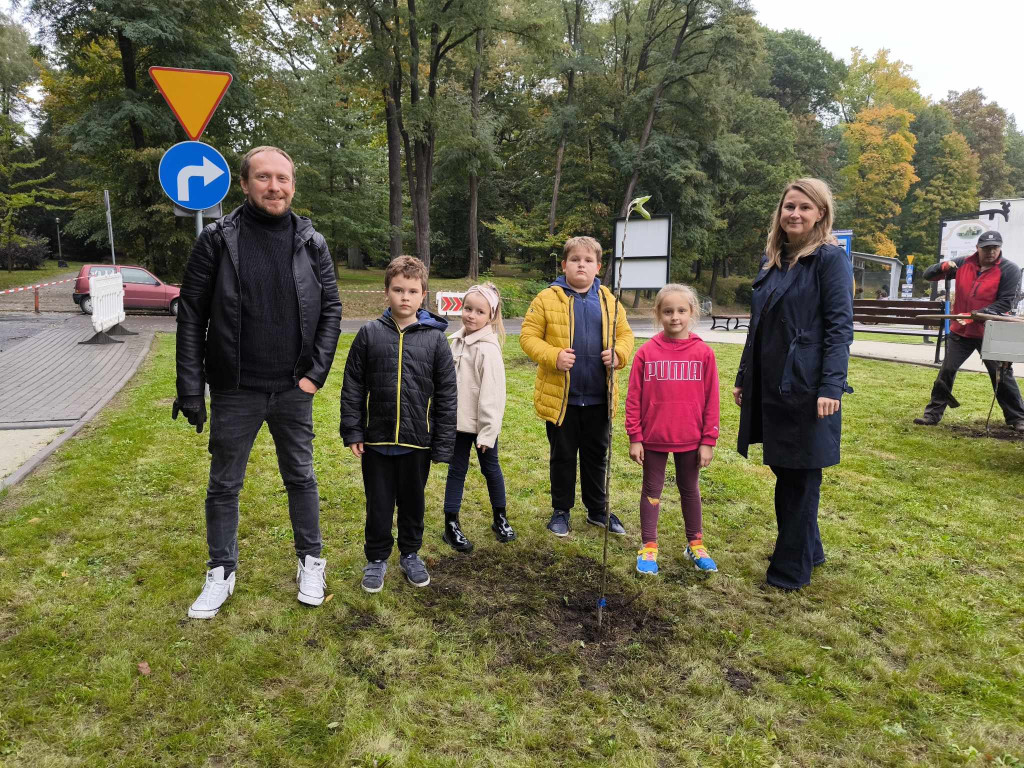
739	321
879	315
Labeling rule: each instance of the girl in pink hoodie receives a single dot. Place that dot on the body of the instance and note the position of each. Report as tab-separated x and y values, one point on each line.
672	407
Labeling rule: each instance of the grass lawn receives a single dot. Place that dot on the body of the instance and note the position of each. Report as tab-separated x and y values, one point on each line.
20	277
906	650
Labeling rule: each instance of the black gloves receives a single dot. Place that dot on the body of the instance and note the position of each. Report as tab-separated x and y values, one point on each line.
194	408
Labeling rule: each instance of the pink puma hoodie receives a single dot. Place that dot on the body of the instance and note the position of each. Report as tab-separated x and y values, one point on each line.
672	403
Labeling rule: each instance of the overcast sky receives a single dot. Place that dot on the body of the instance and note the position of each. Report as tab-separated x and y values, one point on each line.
951	46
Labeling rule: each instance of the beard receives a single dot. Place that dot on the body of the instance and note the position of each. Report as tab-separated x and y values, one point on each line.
263	209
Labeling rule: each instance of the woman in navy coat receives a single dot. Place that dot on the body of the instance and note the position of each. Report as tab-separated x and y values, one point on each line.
792	374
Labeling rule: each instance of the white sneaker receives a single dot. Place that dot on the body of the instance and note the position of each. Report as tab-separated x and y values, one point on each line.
311	580
215	592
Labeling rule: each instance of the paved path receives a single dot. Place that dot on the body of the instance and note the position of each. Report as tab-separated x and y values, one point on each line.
50	385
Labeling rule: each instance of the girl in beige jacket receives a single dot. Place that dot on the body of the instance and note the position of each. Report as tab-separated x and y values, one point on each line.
480	373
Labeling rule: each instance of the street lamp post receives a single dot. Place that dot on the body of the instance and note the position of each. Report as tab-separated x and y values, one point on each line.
60	253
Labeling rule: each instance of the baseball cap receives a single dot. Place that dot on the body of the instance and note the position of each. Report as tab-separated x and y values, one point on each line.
990	238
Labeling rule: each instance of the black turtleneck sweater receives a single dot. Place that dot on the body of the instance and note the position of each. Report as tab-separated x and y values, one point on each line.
271	338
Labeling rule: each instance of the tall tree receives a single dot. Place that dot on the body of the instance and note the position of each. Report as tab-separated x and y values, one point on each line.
677	41
878	174
18	69
805	77
573	11
952	188
984	125
103	104
878	82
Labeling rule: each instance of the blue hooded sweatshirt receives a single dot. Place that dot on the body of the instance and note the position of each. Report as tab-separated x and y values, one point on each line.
588	383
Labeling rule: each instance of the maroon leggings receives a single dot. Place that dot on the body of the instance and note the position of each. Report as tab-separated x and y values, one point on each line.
687	471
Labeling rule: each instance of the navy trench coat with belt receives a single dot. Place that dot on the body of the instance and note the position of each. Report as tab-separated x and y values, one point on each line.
802	320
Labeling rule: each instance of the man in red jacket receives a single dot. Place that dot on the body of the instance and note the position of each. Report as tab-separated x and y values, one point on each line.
986	283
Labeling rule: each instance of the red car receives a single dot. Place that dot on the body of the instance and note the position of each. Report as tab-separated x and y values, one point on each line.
142	290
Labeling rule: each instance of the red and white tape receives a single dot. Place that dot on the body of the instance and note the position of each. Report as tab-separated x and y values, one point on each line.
37	285
353	290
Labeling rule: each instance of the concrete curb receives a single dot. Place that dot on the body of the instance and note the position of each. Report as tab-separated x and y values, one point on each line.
44	453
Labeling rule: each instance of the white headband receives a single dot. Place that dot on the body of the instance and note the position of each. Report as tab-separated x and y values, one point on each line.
489	294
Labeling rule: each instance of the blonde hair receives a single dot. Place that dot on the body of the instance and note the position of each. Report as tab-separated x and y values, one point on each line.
582	241
247	159
819	194
688	293
496	323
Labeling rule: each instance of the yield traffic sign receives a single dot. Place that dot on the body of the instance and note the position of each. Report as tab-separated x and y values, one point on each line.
194	175
192	94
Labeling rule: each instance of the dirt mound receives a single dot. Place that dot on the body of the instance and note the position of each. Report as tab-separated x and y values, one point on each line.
534	607
996	431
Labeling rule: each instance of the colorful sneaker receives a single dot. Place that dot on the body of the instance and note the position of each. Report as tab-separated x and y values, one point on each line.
647	559
702	561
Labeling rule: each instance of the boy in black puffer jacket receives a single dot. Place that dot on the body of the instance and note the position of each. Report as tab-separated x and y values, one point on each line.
398	412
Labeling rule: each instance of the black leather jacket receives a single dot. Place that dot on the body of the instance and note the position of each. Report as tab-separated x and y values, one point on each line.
209	312
400	387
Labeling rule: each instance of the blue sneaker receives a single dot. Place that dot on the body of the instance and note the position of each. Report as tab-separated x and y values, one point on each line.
647	560
559	524
702	561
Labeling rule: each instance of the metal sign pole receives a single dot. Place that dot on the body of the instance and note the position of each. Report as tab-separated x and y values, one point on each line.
110	226
199	223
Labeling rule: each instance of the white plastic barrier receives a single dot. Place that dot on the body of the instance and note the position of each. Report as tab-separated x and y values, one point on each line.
449	303
107	294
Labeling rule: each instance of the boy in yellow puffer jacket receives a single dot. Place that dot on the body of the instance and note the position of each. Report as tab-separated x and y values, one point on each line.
567	331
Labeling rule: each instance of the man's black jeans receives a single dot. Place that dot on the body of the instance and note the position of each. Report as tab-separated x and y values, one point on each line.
958	349
236	416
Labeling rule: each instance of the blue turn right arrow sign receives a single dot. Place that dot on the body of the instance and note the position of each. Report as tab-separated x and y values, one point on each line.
194	175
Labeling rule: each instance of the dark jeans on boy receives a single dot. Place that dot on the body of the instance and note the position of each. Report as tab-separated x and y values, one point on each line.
459	467
389	481
236	417
958	349
798	547
584	431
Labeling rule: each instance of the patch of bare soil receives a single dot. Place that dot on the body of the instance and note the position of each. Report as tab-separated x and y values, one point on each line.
534	608
739	680
996	431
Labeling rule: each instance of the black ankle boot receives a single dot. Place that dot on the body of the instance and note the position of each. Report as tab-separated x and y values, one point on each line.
454	537
501	527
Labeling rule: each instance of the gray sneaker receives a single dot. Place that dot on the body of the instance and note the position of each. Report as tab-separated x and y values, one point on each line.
373	575
414	569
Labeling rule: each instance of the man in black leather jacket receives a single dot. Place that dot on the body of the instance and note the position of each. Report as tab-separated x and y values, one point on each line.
258	321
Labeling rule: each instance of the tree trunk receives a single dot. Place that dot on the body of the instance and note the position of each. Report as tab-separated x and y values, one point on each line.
355	257
127	48
474	181
645	135
394	173
715	261
573	31
558	180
